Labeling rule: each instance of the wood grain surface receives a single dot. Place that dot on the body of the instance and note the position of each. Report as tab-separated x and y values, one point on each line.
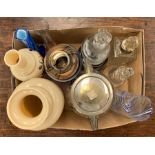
8	25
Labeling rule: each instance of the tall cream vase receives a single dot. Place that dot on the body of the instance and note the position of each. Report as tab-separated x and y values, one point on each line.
35	104
24	64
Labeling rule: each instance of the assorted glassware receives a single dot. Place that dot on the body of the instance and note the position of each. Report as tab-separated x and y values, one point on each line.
118	75
96	48
91	93
132	106
124	51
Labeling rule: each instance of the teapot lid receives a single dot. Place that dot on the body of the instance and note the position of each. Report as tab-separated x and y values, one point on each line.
91	94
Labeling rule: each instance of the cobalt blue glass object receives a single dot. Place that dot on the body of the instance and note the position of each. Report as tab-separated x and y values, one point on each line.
25	37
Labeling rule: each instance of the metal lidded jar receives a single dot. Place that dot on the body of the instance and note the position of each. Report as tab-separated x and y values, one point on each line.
63	62
91	95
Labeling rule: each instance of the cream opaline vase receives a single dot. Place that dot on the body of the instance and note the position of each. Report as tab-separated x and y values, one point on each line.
35	104
24	64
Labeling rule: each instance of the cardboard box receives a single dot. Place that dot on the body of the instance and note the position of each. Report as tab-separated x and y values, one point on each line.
135	84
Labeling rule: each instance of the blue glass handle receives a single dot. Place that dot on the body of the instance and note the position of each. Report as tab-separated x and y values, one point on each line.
23	35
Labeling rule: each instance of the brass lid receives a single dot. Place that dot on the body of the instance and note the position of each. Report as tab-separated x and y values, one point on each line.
91	94
62	62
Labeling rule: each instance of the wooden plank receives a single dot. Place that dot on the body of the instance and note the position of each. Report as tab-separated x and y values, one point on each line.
7	25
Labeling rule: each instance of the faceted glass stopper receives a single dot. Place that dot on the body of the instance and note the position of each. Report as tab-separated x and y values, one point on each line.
101	39
119	75
130	44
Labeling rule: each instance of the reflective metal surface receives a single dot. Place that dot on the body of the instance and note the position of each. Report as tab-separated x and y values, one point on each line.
91	95
63	62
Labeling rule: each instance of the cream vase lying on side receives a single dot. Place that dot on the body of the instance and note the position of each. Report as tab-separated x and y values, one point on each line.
35	104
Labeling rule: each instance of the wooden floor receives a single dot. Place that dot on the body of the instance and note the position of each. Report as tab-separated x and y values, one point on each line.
7	25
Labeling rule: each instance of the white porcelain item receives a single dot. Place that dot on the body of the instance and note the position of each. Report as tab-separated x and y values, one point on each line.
24	64
35	104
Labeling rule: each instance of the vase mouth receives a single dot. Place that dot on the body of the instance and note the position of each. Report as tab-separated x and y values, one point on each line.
28	109
31	106
12	58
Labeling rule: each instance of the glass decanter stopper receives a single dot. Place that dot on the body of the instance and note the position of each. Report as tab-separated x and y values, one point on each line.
130	44
119	75
135	107
96	48
124	50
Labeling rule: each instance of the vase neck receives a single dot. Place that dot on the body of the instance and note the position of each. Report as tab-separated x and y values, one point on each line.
13	58
20	62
